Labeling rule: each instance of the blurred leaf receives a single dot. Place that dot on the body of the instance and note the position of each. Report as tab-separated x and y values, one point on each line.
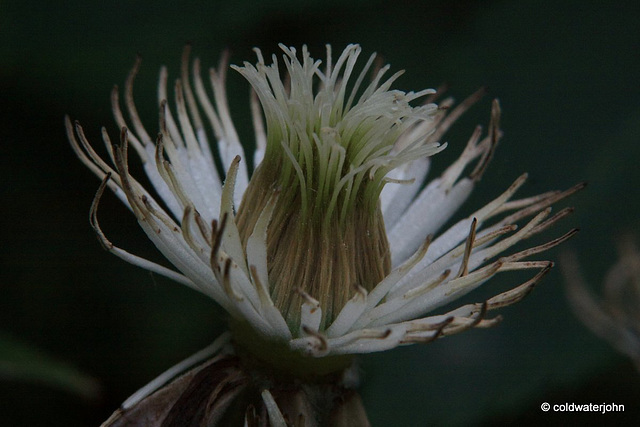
21	362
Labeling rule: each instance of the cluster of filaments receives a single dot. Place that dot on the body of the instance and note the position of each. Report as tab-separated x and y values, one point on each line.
330	144
195	227
332	141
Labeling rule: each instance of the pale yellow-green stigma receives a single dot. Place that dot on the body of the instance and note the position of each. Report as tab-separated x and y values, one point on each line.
329	149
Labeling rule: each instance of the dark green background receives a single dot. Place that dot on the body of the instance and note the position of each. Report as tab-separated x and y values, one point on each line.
567	77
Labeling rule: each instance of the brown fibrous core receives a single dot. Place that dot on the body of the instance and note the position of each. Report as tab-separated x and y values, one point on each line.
326	256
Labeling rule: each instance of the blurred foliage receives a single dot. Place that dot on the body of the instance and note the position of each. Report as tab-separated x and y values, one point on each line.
565	72
22	363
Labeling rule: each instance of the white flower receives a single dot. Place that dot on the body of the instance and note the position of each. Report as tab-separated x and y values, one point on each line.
336	247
